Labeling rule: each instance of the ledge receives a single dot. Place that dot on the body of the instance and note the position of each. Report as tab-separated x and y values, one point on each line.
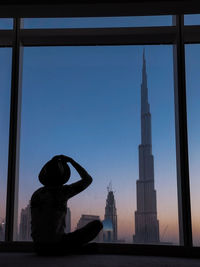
122	249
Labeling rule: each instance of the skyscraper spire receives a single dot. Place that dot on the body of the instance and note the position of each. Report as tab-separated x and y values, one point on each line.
144	76
109	187
145	108
144	64
146	223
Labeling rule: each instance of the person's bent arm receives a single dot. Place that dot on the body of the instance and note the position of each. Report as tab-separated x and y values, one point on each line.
79	186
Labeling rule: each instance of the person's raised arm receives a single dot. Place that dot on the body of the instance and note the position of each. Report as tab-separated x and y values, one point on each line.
79	186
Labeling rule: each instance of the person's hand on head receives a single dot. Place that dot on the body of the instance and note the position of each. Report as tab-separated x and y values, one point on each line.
63	158
66	158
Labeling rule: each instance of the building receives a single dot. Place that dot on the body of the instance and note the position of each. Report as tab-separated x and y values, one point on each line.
107	231
85	219
68	221
1	233
146	222
25	224
111	213
2	230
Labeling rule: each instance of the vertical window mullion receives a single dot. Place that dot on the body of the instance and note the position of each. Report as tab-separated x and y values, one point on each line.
184	207
13	155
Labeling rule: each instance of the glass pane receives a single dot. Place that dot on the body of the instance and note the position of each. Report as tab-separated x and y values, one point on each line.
5	78
192	19
6	24
95	22
85	102
193	94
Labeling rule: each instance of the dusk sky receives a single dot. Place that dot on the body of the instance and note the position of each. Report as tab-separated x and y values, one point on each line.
93	22
193	95
5	76
84	102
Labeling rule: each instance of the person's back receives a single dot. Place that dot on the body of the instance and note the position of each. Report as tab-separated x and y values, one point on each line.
48	212
49	206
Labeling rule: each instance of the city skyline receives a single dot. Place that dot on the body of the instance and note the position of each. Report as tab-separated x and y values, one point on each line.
105	140
24	227
146	226
56	64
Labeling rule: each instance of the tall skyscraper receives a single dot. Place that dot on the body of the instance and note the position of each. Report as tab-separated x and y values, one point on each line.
111	212
1	233
25	224
85	219
146	223
2	229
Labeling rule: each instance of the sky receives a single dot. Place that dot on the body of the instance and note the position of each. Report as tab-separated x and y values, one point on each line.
193	95
5	75
85	102
93	22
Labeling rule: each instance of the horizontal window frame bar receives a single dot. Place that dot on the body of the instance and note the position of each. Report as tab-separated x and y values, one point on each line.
114	248
6	38
98	9
192	34
101	36
98	36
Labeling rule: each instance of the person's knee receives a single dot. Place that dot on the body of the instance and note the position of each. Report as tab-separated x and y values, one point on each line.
97	224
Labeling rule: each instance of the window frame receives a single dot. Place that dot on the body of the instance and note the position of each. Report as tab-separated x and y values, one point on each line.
177	35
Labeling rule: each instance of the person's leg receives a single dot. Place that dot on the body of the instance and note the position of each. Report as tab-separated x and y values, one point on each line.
82	236
72	242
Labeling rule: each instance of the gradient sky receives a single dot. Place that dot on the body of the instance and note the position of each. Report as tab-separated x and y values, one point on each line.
193	95
85	102
5	77
93	22
6	24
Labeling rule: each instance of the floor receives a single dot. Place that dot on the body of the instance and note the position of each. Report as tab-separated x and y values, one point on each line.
31	260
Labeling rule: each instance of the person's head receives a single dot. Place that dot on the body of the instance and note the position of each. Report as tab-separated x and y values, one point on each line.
55	172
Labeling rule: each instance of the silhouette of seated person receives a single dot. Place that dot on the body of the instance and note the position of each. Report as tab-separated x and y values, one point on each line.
48	209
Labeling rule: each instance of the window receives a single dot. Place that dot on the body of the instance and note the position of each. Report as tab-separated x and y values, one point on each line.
192	64
96	120
6	24
114	58
98	22
193	19
5	73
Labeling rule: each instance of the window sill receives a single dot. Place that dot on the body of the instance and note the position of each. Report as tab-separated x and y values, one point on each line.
123	249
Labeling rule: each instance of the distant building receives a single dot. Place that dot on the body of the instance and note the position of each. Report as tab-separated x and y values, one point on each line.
111	215
107	231
146	222
68	221
25	224
85	219
2	231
